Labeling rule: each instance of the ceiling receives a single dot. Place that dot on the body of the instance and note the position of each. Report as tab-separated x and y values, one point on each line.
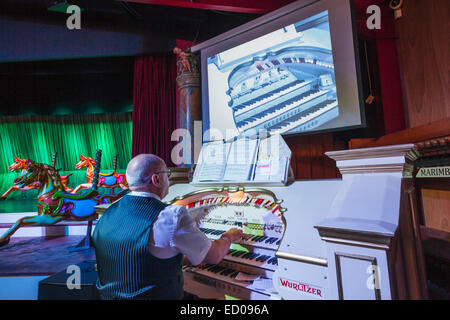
190	20
173	21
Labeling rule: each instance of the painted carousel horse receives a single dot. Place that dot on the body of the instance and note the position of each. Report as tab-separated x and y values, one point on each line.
105	180
54	204
20	164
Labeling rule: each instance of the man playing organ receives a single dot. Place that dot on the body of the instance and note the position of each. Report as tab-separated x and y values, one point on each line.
140	241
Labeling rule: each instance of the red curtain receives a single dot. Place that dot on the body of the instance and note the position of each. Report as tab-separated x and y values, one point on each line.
154	105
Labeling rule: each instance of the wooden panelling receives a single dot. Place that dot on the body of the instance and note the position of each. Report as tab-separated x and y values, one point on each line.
436	209
424	59
308	156
421	133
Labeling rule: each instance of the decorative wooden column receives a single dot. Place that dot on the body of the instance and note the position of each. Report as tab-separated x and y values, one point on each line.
189	107
372	231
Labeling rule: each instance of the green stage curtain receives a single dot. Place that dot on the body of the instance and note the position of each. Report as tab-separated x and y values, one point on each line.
38	137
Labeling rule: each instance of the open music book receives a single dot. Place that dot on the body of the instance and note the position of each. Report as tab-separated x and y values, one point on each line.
245	159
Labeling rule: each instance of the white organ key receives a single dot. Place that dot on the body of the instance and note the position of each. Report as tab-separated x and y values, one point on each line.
282	110
273	97
307	118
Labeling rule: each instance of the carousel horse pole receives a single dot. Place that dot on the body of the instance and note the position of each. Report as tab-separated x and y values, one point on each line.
55	154
114	169
86	242
64	179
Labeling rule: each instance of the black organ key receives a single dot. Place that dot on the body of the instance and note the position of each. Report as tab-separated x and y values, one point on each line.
223	271
263	258
214	269
226	272
245	255
257	238
271	240
239	253
278	242
217	269
250	256
262	239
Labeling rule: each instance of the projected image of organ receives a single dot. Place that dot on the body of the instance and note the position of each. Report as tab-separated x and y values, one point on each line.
282	82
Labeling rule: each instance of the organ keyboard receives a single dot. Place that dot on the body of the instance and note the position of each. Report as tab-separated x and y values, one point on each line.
249	264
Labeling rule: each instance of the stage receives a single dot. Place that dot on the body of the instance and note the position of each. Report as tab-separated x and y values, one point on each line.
35	253
27	260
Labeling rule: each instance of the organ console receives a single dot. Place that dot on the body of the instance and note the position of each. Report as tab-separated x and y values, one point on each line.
349	238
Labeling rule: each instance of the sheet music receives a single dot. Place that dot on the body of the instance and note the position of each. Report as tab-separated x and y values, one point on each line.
241	160
264	284
212	161
273	160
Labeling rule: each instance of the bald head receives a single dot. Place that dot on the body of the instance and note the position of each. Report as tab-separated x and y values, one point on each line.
141	168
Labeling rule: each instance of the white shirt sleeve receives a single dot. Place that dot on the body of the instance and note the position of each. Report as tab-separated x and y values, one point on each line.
175	232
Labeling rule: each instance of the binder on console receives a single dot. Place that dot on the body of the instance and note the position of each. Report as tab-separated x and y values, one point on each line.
274	157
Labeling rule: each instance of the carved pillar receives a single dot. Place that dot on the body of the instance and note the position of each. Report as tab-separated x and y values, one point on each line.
189	109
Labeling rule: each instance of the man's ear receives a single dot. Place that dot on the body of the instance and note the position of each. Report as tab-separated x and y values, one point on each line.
155	180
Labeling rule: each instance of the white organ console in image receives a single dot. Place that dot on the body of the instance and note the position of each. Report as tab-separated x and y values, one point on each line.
258	213
349	238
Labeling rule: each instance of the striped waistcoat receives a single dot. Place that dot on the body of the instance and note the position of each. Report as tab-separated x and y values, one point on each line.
126	269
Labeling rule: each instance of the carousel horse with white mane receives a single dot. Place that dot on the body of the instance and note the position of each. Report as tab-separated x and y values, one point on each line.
54	204
20	164
105	180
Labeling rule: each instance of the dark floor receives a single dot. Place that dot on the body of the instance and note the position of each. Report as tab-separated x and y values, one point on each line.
41	255
8	206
